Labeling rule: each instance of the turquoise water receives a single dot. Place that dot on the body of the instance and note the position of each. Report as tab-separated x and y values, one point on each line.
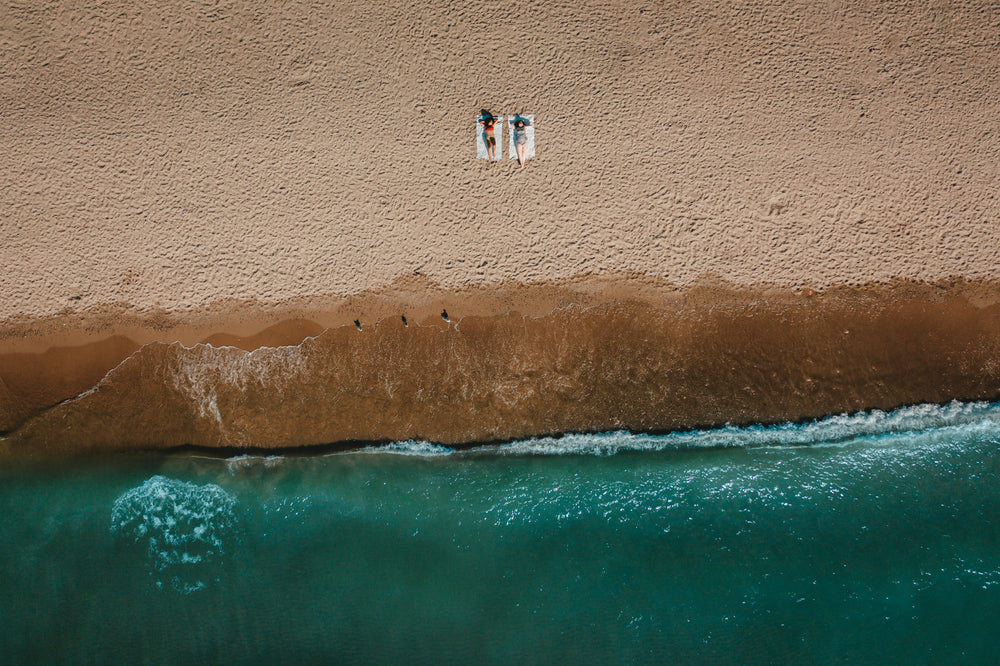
864	538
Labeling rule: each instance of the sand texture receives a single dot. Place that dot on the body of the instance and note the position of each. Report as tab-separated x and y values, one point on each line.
737	213
176	153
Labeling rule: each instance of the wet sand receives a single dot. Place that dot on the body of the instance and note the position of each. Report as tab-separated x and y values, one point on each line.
597	359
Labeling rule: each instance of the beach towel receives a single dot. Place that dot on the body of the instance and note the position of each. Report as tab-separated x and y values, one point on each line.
528	134
481	139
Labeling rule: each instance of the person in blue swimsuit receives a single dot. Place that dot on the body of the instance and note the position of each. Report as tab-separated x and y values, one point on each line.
520	129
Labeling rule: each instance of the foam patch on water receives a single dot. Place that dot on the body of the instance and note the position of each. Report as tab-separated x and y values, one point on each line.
183	528
246	462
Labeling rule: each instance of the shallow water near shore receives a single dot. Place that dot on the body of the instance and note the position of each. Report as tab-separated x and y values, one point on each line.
869	537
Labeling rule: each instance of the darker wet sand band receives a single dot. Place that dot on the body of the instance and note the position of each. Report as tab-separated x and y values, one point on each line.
630	358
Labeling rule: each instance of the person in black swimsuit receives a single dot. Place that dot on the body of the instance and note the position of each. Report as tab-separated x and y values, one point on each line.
489	122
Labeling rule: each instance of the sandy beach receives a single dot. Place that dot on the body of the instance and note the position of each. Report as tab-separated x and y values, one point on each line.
254	176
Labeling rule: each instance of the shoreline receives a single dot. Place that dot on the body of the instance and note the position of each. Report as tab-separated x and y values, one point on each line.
924	416
597	353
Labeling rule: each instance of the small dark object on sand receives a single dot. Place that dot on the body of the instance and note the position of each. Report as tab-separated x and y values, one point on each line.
444	315
358	324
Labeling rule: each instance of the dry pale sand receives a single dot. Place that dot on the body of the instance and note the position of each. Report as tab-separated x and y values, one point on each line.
177	153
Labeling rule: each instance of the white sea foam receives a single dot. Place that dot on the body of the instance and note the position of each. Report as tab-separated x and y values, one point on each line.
184	528
411	448
205	373
245	462
955	419
972	418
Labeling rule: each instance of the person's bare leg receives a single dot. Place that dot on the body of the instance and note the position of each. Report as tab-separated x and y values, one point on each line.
520	154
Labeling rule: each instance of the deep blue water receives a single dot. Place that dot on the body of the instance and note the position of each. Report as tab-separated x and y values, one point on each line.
869	538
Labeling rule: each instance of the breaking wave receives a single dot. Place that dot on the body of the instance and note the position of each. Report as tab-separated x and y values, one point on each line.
411	448
183	529
959	420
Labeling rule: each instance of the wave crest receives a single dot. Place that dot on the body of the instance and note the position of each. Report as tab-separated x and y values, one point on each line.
973	420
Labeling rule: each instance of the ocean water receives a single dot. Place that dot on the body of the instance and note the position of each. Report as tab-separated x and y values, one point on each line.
865	538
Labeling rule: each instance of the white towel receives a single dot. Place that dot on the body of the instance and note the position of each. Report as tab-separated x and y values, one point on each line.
481	139
529	135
